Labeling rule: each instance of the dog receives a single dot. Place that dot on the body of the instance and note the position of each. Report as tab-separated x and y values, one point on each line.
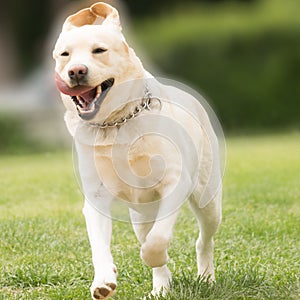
140	142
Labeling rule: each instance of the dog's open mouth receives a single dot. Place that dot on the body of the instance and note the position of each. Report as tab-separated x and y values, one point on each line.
88	102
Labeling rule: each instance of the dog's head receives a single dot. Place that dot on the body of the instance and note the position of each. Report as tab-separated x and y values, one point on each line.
92	56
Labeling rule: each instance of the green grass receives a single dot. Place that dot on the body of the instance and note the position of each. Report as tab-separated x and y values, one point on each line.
45	252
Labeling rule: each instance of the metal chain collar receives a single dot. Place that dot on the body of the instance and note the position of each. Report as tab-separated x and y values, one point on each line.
145	105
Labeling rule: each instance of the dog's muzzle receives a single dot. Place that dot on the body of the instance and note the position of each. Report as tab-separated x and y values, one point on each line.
86	98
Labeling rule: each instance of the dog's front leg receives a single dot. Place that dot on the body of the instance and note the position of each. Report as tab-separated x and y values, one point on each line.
99	224
154	252
99	231
155	238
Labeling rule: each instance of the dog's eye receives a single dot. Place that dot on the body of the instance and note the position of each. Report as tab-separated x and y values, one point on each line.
99	50
65	53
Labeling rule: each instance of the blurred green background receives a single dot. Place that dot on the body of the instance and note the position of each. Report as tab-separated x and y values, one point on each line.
243	56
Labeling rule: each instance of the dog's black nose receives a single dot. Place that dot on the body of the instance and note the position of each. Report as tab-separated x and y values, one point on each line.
77	72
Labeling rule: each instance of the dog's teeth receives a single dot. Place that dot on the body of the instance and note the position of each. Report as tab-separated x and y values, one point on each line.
99	91
78	107
81	101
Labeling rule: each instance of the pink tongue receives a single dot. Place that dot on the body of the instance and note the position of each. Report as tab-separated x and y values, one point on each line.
81	90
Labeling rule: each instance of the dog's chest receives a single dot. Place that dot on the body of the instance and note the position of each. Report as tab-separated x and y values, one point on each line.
140	171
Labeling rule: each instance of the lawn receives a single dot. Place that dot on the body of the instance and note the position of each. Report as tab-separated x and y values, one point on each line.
44	250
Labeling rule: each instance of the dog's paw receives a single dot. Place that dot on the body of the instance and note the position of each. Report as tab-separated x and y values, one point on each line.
206	273
104	286
162	278
207	277
104	291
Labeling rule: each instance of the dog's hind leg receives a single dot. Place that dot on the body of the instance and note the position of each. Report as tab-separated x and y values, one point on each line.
209	219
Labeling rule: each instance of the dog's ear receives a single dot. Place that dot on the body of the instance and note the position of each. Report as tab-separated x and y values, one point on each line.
98	13
107	13
83	17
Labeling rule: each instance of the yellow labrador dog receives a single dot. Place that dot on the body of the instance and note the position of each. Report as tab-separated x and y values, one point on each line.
139	142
